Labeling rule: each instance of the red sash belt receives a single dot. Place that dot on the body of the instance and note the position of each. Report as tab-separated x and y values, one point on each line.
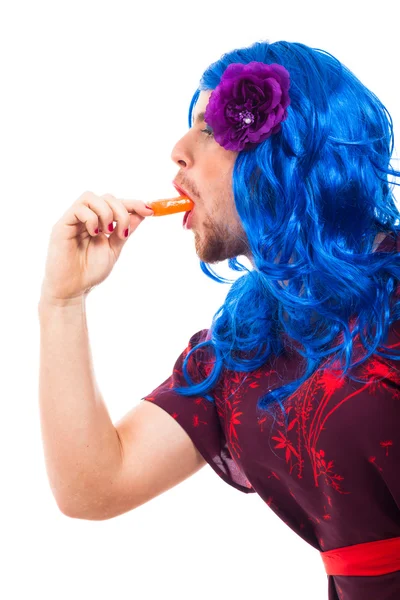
370	558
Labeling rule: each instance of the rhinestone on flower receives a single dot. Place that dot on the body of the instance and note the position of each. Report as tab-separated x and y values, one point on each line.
248	105
247	117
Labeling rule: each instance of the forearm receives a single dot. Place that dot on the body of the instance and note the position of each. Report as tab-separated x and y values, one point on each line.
81	445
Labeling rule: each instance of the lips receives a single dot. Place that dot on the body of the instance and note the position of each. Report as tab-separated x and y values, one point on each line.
182	192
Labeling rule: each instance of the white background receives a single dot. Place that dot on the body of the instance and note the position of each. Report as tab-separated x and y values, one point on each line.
94	96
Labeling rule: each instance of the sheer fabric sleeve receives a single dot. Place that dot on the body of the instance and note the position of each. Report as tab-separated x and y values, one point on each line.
199	417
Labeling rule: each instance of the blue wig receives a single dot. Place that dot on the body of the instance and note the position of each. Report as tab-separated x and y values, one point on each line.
311	200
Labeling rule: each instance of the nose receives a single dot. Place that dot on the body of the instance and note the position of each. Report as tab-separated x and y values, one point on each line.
181	154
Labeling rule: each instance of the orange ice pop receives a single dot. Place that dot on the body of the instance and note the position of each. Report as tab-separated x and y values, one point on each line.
170	206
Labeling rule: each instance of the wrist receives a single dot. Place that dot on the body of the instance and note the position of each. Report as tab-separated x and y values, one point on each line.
48	301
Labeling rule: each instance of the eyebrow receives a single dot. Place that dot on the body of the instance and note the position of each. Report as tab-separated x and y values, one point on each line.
199	118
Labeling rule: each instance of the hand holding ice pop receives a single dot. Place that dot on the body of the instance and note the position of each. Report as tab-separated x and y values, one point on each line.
80	255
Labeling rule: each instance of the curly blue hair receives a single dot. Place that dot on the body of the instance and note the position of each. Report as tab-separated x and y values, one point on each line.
311	200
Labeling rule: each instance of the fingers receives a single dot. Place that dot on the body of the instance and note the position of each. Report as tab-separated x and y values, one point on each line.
84	215
100	212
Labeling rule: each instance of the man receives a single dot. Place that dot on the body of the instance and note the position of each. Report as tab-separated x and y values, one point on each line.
285	167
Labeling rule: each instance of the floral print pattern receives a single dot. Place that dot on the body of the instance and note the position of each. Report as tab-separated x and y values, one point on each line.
331	474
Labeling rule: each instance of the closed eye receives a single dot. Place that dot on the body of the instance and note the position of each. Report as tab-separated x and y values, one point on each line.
208	131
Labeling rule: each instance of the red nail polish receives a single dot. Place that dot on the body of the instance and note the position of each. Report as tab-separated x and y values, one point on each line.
111	227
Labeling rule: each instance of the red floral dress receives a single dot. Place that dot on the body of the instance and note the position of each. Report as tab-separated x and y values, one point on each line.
333	474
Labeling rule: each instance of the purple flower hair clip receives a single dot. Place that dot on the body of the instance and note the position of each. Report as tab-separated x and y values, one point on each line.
248	105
